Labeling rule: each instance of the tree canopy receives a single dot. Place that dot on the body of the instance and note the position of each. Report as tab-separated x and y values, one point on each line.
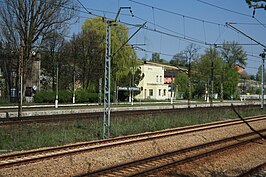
233	53
28	22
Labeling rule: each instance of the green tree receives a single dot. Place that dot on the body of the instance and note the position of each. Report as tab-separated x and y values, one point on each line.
53	55
178	60
8	66
230	83
255	4
209	61
181	84
88	49
233	53
155	57
28	22
259	74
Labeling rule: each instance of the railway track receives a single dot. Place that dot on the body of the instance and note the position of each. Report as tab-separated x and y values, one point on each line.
254	170
154	164
97	115
12	159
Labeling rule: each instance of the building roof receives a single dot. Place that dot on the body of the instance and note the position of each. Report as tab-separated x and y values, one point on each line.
167	67
239	68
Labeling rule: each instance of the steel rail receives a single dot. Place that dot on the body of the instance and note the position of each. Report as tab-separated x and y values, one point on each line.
253	170
41	154
147	166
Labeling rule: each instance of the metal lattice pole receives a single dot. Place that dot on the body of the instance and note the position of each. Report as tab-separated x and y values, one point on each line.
21	55
107	78
107	74
262	80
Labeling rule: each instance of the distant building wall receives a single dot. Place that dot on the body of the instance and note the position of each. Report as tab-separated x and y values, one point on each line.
152	85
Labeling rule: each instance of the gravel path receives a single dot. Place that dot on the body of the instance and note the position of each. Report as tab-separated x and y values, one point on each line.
88	161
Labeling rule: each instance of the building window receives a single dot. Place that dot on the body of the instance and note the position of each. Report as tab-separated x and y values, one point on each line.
157	78
159	92
160	79
150	92
164	92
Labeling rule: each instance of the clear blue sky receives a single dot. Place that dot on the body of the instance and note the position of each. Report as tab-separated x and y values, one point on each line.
183	24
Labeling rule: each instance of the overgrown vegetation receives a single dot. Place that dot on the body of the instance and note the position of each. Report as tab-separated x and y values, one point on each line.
21	137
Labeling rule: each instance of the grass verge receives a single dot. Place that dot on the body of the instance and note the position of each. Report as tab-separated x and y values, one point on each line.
30	136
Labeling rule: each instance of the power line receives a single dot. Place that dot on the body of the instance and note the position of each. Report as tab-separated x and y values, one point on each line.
255	56
260	22
174	13
222	8
232	11
248	23
185	37
149	51
176	34
234	28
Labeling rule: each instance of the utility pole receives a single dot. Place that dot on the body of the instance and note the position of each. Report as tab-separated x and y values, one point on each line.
74	83
262	79
107	73
107	79
189	81
172	86
20	70
100	91
56	94
222	84
211	103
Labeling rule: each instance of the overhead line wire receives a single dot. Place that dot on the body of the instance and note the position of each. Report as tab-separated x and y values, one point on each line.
260	22
174	13
186	38
222	8
181	35
232	11
192	40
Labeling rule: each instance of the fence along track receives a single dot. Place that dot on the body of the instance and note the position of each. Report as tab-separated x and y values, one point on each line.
46	153
150	165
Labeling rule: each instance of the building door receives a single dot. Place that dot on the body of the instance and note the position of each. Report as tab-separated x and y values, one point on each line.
145	95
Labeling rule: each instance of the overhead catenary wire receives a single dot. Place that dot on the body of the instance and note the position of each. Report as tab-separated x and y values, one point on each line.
186	38
193	18
260	22
172	34
232	11
222	8
234	28
149	51
174	13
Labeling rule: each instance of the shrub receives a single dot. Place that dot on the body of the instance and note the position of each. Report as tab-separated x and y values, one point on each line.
65	96
44	96
4	101
83	96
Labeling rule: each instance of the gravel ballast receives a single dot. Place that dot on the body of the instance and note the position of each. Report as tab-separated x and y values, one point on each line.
83	162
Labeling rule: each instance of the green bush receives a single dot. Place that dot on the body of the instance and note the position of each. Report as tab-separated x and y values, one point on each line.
4	101
44	96
83	96
65	96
